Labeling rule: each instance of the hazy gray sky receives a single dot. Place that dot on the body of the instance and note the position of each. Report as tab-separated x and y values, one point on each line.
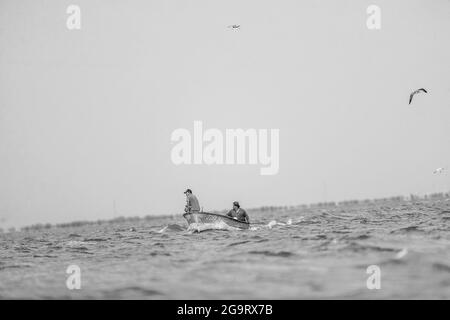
86	115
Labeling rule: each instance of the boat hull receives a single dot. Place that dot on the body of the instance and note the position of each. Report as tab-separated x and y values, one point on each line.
206	218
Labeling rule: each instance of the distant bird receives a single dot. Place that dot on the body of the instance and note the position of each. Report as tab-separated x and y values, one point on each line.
415	92
234	26
438	170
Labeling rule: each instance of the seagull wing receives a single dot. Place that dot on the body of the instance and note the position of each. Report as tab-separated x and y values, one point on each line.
422	89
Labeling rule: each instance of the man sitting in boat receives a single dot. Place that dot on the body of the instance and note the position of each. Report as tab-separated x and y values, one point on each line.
192	205
238	213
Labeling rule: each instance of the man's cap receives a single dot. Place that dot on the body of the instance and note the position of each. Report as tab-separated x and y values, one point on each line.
188	190
236	204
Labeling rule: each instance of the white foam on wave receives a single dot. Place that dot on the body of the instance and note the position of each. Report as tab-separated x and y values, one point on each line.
274	223
172	227
75	244
401	253
220	225
217	225
163	229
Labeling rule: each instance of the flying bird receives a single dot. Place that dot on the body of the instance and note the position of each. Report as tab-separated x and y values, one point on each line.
234	26
416	92
438	170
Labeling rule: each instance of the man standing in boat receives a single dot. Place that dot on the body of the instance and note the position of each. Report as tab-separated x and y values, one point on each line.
192	205
238	213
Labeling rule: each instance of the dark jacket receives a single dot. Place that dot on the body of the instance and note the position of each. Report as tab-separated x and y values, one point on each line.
240	214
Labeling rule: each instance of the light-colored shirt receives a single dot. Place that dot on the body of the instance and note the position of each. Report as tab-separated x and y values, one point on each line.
192	203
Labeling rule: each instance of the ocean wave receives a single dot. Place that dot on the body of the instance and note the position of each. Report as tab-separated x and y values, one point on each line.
44	256
23	249
314	237
159	253
172	227
14	266
217	225
301	251
75	244
96	239
238	243
135	238
78	247
408	229
363	236
273	223
119	293
441	267
356	247
284	254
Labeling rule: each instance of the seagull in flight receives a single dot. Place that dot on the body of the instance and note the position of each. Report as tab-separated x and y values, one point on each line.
415	92
438	170
234	26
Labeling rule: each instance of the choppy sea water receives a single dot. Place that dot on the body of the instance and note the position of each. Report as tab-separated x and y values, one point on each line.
288	254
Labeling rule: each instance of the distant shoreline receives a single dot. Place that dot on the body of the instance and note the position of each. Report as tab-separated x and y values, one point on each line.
317	205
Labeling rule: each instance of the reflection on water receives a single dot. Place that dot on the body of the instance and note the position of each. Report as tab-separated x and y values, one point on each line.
293	254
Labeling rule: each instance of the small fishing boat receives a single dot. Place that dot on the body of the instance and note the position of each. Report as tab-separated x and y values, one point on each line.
205	220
